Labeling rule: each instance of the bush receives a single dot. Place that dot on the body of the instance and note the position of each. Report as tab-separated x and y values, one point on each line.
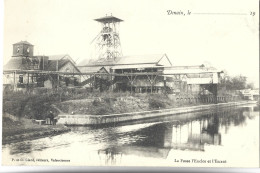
29	105
156	104
100	111
100	107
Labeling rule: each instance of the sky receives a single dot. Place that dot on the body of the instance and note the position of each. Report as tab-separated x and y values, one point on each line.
227	42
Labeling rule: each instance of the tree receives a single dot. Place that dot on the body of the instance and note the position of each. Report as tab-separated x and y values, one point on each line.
238	83
251	85
234	83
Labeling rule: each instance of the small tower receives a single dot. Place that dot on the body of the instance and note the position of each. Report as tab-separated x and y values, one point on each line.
23	49
23	57
107	42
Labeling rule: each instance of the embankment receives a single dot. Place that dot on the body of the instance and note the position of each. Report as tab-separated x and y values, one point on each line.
85	120
19	129
34	135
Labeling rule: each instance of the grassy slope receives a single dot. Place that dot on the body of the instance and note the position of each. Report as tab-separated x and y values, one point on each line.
115	103
24	126
37	106
16	131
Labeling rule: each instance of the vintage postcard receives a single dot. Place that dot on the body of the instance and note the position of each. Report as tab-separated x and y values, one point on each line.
166	83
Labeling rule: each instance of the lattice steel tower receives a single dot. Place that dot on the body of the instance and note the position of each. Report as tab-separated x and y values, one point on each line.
107	42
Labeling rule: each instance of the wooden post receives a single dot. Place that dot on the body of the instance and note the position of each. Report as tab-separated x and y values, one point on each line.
43	63
58	79
215	92
180	83
151	83
164	84
14	80
28	80
112	85
94	85
131	81
57	65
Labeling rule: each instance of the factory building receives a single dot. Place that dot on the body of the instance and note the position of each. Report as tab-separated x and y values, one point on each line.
108	69
142	73
24	69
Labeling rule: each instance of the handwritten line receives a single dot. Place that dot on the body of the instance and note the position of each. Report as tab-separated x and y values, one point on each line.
222	13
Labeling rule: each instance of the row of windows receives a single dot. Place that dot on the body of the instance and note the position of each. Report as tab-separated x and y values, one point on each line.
32	79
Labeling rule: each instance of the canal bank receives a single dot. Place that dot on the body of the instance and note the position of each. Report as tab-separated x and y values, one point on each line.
21	129
228	134
34	135
89	120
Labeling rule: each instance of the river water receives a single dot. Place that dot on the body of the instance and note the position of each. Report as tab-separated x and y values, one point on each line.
220	138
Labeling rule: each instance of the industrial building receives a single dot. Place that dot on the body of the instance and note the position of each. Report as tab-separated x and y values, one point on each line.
108	69
24	69
141	73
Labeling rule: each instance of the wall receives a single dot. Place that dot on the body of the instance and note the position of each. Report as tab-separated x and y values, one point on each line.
23	50
116	118
68	67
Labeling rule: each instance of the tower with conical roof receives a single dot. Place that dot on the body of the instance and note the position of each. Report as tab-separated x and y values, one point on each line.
107	42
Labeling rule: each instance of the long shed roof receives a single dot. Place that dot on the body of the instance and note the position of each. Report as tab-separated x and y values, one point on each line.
189	70
136	66
141	59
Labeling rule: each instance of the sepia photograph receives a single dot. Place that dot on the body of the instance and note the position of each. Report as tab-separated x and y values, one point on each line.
140	83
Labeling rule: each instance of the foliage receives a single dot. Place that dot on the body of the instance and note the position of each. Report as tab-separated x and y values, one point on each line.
234	83
29	105
157	101
250	85
36	105
101	107
156	104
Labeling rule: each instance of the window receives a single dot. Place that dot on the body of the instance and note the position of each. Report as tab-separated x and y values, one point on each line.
21	79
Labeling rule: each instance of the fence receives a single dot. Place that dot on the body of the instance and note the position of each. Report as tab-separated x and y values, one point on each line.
203	99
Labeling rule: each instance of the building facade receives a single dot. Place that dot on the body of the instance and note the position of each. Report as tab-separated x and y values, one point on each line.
24	69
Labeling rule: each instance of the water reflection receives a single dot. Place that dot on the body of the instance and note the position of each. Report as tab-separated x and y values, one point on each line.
153	138
187	134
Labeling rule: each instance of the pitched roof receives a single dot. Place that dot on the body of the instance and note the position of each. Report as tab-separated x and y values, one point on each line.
60	57
23	42
136	66
130	60
52	64
108	19
15	63
103	62
21	63
91	69
141	59
190	70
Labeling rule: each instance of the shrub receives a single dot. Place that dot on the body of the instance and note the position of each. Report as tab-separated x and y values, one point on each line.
100	107
29	105
100	111
156	104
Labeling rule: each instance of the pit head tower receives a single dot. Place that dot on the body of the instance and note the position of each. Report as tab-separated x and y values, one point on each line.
107	42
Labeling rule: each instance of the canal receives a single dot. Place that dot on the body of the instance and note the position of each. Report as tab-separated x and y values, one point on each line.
219	138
